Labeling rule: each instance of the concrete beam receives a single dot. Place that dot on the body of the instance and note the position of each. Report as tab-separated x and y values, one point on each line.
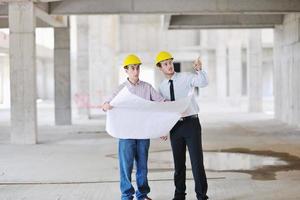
166	19
39	23
224	21
4	6
41	12
68	7
34	1
43	1
54	21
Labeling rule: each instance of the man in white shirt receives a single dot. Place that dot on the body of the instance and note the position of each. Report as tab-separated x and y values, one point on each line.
187	131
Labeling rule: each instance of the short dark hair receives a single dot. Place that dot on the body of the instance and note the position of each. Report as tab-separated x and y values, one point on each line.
126	67
158	64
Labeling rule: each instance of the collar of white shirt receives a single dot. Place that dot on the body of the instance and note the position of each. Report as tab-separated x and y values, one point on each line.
172	78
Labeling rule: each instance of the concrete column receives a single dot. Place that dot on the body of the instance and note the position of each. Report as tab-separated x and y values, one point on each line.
98	71
22	72
286	73
277	81
2	77
286	82
82	97
295	90
209	65
221	64
254	70
297	81
6	83
50	79
295	85
235	71
62	76
102	54
41	79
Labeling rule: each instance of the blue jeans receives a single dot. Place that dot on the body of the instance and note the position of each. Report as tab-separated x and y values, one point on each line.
131	150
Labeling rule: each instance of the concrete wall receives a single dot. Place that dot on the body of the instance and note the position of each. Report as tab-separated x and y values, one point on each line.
145	34
287	70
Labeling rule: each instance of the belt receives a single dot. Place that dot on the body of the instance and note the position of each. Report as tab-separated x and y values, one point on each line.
188	117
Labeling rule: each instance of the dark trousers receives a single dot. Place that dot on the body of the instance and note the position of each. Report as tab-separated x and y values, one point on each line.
187	133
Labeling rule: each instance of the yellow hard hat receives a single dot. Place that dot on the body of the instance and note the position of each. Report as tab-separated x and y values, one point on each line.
131	60
163	55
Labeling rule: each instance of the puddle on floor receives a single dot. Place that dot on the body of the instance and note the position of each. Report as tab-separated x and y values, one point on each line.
261	165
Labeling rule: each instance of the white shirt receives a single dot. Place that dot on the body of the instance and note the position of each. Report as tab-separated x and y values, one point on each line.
184	84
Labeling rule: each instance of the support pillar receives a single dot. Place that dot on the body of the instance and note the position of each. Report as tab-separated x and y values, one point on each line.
254	69
102	53
62	76
82	96
235	71
221	64
22	72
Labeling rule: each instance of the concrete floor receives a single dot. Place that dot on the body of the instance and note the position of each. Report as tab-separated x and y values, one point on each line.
78	162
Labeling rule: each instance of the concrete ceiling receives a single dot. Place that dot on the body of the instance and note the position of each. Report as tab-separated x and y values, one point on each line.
43	18
73	7
183	14
86	7
222	21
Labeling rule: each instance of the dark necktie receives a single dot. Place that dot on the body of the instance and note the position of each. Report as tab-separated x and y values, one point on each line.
172	90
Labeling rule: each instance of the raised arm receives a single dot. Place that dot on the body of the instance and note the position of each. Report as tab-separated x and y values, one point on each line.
199	79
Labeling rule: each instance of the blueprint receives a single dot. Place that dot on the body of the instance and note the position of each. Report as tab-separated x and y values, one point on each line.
133	117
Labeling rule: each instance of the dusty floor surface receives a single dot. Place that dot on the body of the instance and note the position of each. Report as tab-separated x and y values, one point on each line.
247	157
